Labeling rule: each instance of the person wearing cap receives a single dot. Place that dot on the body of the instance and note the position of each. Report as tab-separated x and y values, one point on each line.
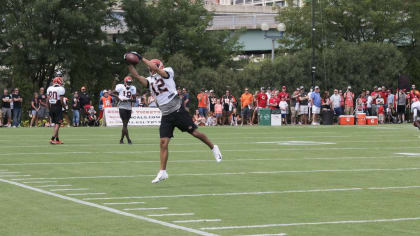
336	103
246	106
76	109
316	105
303	106
262	100
348	101
203	103
106	102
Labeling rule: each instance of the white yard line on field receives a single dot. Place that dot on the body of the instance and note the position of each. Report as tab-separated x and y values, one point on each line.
166	224
40	182
84	194
312	223
53	185
5	172
281	142
197	221
145	209
14	175
227	173
208	151
255	193
122	203
68	189
229	160
173	214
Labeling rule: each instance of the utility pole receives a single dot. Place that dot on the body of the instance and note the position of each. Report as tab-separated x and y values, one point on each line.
313	67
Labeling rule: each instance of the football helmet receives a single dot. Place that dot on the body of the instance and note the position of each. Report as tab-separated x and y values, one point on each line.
58	81
128	81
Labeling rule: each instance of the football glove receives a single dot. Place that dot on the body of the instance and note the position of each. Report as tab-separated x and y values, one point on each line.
138	55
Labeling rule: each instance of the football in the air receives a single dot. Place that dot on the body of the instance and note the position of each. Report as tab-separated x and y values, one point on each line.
131	58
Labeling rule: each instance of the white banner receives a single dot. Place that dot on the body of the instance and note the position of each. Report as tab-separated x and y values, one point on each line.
140	116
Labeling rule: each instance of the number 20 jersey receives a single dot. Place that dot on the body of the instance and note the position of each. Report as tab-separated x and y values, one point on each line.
164	90
54	94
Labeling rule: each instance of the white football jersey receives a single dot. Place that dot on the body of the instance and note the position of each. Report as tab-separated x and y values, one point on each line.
164	90
54	94
125	94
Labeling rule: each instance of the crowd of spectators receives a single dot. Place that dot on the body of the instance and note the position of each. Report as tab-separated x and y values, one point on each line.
302	108
299	107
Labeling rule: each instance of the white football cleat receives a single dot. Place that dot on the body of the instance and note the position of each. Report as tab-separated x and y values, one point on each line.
216	153
160	177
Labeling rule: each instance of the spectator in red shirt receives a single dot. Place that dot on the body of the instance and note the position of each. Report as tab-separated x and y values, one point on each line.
273	102
261	102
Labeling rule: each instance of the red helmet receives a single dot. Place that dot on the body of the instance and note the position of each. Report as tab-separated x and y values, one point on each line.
128	79
58	80
158	63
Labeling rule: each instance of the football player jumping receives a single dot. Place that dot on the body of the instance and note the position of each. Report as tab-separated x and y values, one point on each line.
55	95
126	96
162	86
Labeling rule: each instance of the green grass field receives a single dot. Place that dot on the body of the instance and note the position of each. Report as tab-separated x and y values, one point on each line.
359	180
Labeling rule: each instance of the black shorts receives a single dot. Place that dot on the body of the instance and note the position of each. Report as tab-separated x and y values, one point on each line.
56	113
180	119
125	115
401	109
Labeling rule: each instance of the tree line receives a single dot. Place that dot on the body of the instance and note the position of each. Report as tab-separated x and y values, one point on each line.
361	43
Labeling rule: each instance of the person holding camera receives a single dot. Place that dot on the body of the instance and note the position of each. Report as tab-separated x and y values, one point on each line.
348	102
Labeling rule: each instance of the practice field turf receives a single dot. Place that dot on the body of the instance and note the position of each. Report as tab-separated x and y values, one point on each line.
336	180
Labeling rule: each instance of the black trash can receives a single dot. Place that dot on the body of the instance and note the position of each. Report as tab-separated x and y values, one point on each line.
327	117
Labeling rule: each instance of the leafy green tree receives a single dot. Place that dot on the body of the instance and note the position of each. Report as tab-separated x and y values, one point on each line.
177	26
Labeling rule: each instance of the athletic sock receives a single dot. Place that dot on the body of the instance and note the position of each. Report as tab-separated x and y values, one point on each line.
162	172
56	139
52	138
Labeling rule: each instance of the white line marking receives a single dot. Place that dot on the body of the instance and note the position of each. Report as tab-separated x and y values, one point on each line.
145	209
408	154
84	194
312	223
255	193
173	214
14	175
206	151
170	225
196	221
122	203
235	173
68	189
5	172
296	143
280	234
230	160
40	182
53	185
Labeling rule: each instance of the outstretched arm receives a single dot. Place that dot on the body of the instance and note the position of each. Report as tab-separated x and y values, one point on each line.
136	75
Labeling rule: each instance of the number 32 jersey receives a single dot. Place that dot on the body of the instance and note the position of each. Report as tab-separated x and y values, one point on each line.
54	94
164	90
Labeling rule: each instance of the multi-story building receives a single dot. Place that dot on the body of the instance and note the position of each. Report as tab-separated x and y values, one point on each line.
280	3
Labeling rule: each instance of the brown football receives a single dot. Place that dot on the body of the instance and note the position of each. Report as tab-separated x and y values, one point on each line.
132	59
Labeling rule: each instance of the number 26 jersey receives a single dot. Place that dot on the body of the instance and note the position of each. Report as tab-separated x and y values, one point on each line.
163	89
